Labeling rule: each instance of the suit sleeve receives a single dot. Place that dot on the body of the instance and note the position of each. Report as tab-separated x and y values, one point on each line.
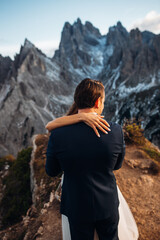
120	156
52	165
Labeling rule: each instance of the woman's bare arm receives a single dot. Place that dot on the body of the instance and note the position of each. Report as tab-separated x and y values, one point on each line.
93	120
63	121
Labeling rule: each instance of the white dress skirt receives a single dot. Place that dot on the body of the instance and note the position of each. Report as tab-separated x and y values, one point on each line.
127	228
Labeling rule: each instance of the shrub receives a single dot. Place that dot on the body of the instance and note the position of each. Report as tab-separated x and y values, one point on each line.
41	139
133	133
9	159
41	142
17	195
153	153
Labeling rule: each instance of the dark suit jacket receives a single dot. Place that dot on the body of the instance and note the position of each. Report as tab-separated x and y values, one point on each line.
89	190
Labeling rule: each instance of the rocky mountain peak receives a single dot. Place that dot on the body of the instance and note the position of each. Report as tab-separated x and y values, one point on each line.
69	30
5	65
28	44
39	89
77	31
78	22
119	25
92	29
67	25
136	35
120	28
135	41
147	36
26	49
155	45
117	35
76	41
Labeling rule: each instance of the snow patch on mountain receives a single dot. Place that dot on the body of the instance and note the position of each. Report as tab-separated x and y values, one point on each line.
52	69
109	50
97	61
60	99
124	91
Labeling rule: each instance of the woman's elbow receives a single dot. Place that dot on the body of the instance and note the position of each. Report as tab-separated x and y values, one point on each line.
48	127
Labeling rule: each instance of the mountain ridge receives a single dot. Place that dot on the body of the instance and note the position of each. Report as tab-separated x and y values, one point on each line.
35	89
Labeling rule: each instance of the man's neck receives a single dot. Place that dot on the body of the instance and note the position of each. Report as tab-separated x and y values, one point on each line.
86	110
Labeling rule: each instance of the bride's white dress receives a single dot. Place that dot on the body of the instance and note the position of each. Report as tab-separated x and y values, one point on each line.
127	228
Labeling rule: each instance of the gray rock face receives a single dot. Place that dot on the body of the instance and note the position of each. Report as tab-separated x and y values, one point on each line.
34	95
80	52
35	89
132	81
5	66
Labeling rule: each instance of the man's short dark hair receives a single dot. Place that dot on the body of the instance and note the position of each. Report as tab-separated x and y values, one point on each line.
87	92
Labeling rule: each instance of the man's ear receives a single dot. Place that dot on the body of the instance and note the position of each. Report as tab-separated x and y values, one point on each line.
96	105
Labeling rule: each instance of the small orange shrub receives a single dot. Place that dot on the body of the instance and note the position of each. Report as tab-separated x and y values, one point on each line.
133	133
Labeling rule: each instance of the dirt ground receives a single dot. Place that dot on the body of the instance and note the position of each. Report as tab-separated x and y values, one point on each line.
141	191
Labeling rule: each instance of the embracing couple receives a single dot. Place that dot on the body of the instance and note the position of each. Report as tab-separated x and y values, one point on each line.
92	205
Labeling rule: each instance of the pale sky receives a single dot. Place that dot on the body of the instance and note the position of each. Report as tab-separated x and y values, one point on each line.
41	21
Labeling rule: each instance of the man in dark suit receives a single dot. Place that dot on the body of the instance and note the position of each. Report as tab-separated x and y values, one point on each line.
89	191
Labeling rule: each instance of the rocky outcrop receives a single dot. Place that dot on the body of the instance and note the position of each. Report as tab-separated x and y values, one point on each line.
80	52
35	89
5	67
43	216
132	79
34	95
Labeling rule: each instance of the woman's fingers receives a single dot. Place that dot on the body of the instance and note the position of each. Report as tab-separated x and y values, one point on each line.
96	131
100	128
94	128
104	121
96	122
100	123
104	126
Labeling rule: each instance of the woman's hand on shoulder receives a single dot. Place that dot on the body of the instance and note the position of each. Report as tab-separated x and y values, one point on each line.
95	121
